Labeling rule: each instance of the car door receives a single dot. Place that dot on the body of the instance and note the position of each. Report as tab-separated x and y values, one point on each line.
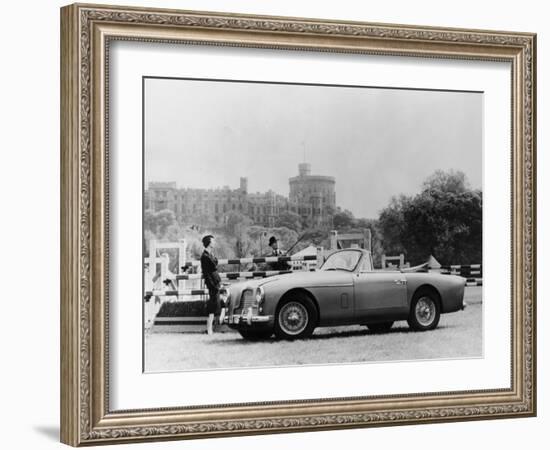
378	293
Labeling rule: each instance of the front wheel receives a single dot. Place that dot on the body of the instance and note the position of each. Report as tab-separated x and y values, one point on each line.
295	318
425	311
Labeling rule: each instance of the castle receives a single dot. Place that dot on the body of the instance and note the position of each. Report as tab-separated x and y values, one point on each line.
312	197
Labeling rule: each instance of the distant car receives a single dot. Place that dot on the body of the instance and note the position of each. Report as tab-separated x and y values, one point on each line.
346	290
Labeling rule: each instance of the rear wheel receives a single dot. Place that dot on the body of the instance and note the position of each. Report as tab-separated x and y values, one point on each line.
381	327
255	335
425	311
296	317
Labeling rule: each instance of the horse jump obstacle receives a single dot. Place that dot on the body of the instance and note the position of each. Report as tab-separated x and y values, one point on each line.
152	280
153	287
472	272
174	279
388	264
175	292
266	259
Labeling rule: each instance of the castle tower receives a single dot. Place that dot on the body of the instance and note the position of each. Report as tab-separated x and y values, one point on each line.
304	169
313	197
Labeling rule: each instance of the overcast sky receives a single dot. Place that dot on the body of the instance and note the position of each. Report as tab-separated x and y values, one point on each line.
376	142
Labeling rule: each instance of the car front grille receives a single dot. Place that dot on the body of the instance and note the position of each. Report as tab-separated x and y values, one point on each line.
247	300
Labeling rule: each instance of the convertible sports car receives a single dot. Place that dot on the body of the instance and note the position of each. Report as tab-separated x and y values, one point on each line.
345	290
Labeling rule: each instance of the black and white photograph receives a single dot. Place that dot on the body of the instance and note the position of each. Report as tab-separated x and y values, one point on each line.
271	225
291	224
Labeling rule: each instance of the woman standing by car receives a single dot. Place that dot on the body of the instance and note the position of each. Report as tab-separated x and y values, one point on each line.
209	267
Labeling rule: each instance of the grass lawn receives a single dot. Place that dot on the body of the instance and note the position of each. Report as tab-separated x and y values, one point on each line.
459	335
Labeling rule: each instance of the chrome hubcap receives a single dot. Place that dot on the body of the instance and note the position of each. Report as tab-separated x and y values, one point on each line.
293	318
425	311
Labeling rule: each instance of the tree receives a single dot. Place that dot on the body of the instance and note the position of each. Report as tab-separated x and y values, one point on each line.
158	221
391	224
314	236
343	219
243	246
237	226
444	220
365	223
290	220
452	181
259	238
237	223
376	238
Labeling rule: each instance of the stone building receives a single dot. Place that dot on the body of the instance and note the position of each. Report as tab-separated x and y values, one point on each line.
264	208
311	196
210	206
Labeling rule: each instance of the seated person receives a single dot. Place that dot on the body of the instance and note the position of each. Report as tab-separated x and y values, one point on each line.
275	251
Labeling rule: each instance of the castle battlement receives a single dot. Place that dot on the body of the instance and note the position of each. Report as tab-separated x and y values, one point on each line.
312	197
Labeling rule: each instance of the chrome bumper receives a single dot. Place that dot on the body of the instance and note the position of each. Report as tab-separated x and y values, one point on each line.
246	318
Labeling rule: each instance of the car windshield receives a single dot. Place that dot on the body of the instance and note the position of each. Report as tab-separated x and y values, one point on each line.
342	261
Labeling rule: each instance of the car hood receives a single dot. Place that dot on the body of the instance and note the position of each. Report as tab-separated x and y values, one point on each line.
300	279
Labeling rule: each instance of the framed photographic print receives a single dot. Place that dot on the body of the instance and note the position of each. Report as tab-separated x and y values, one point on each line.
276	224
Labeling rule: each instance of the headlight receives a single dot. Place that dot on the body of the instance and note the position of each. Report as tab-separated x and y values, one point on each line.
225	296
260	295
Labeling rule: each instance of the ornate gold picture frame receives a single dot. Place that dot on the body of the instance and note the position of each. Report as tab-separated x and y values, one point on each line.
87	31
